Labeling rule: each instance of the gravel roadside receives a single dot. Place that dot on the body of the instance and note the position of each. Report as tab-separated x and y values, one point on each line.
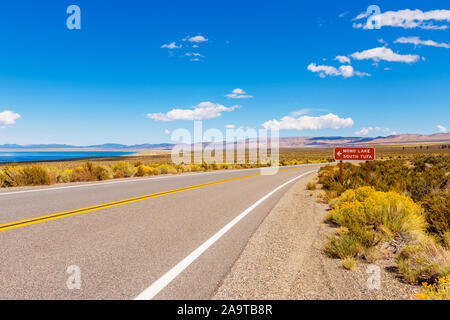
284	259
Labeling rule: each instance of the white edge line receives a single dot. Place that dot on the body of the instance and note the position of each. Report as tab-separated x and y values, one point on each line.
139	180
162	282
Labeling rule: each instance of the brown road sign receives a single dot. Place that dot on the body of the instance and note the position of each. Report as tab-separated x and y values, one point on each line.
354	153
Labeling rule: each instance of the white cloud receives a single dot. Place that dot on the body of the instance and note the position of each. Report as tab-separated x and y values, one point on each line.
408	19
304	111
193	54
367	130
416	41
196	39
342	59
360	16
171	45
238	94
382	41
204	110
167	131
346	71
363	131
323	70
328	121
230	126
383	53
8	118
441	128
343	14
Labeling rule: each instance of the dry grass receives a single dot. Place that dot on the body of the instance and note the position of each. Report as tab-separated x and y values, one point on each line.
423	260
349	263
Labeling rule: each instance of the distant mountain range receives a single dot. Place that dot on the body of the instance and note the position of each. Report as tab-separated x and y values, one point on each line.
106	146
293	142
289	142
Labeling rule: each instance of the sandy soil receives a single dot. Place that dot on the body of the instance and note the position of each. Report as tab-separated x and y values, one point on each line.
284	259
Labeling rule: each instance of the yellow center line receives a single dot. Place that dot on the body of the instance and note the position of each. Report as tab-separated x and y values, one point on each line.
59	215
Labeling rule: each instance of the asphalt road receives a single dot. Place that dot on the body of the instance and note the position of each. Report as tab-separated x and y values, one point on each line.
126	248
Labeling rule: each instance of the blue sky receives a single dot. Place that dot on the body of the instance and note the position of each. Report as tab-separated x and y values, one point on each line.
100	83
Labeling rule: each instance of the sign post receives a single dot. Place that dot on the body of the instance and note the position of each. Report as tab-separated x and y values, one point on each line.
367	172
356	154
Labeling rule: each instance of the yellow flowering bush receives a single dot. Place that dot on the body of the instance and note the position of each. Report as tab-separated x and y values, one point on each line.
123	169
367	217
440	290
380	213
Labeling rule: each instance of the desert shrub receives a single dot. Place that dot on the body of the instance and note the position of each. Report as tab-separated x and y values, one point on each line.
205	166
343	246
373	215
37	175
408	200
446	239
13	176
180	168
424	178
437	208
215	166
27	176
156	171
440	290
370	217
142	171
89	172
418	177
123	169
349	263
311	186
64	176
196	167
2	179
329	179
80	173
423	260
164	169
98	172
101	172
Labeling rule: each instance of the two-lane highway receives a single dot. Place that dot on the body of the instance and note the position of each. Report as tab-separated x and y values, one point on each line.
167	237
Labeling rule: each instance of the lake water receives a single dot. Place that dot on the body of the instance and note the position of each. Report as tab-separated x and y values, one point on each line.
22	156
